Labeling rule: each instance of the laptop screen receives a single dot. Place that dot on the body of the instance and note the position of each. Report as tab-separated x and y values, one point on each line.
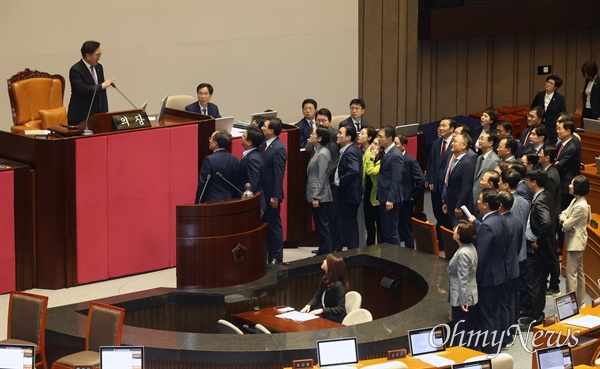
342	351
481	364
566	306
418	340
17	356
122	357
554	358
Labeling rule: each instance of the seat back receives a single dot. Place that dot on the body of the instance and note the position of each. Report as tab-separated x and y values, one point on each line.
262	329
105	326
425	237
450	246
501	361
388	365
595	362
29	92
224	327
337	119
358	316
353	301
27	317
179	102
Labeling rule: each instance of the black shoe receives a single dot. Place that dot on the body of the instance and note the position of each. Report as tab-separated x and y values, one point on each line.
315	251
552	293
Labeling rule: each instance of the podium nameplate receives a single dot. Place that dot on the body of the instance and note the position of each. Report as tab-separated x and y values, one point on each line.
122	122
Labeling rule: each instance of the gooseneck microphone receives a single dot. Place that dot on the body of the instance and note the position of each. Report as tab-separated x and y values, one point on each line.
87	131
229	183
115	86
204	188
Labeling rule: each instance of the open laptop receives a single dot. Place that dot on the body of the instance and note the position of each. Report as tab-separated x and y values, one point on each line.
591	125
163	106
419	341
225	123
121	357
554	358
480	364
144	106
407	130
337	353
566	306
17	356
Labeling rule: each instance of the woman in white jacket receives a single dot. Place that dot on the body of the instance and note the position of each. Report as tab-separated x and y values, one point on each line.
574	220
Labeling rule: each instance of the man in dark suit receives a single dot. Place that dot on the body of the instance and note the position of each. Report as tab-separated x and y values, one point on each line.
488	160
204	106
505	133
537	138
568	158
437	163
522	189
307	124
252	165
389	185
552	102
412	188
491	243
348	180
275	159
541	243
534	118
222	162
458	183
356	120
86	77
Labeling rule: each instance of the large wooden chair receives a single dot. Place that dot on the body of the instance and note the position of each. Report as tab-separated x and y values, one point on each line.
425	237
179	102
27	323
450	246
36	100
104	328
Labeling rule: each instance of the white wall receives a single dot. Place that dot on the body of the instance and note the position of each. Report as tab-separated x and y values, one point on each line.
256	54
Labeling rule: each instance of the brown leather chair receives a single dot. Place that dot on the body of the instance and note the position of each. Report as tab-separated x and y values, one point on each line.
36	100
450	246
27	323
104	328
425	237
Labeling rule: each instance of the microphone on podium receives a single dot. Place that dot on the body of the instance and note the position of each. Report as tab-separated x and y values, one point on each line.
204	188
87	131
122	94
229	183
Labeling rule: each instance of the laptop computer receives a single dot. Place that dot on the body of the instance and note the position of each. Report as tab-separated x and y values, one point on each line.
163	106
421	340
480	364
17	356
566	306
591	125
554	357
224	123
337	353
121	357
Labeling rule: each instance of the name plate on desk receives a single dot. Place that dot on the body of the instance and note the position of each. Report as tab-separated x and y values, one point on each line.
122	122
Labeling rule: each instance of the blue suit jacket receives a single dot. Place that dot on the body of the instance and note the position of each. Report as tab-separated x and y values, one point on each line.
567	163
275	158
460	183
227	164
413	179
436	168
305	131
213	110
252	169
555	107
492	239
595	97
389	184
350	173
515	240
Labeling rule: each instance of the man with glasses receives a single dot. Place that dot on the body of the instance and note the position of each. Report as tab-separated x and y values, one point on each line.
203	105
356	120
488	160
212	186
87	77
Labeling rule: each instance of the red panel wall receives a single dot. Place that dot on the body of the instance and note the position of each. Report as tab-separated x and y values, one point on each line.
411	146
7	232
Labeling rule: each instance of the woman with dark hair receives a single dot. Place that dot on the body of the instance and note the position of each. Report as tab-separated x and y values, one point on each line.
574	220
462	270
368	142
488	124
552	102
591	91
331	295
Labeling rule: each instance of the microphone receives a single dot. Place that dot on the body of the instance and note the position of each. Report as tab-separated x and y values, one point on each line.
115	86
229	183
87	131
204	188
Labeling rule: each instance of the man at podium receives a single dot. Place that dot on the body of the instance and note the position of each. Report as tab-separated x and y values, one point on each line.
219	171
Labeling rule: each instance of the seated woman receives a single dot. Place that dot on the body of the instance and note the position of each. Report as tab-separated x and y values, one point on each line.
331	295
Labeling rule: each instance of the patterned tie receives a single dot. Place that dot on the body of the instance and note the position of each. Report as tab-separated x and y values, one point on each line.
93	71
204	111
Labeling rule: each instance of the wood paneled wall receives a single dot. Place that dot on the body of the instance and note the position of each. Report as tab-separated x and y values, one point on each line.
406	80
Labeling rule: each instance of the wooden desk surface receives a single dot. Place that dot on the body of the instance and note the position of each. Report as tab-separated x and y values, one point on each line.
268	317
457	354
565	329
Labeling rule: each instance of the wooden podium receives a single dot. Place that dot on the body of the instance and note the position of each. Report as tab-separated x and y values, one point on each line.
220	243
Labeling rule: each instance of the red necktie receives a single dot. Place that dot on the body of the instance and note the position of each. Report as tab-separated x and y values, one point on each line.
443	149
527	138
449	169
559	150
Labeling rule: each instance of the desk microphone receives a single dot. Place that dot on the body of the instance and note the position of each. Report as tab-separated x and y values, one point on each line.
229	183
87	131
115	86
204	188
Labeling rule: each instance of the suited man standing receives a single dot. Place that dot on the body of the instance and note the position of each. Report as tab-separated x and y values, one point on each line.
220	161
488	160
389	185
552	102
356	120
204	106
568	158
534	118
307	124
458	183
275	159
412	188
537	137
252	166
86	77
348	180
318	190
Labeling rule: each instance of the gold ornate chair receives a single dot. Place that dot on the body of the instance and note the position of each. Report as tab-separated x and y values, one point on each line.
27	323
36	100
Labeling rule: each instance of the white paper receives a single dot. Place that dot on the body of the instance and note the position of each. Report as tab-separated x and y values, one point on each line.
285	309
586	321
297	316
435	360
466	211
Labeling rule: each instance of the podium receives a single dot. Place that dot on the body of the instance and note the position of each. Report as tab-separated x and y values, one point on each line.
220	243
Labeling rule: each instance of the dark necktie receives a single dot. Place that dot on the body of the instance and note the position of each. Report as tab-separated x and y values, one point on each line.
479	162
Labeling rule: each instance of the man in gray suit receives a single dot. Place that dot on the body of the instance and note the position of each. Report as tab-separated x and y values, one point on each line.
488	160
